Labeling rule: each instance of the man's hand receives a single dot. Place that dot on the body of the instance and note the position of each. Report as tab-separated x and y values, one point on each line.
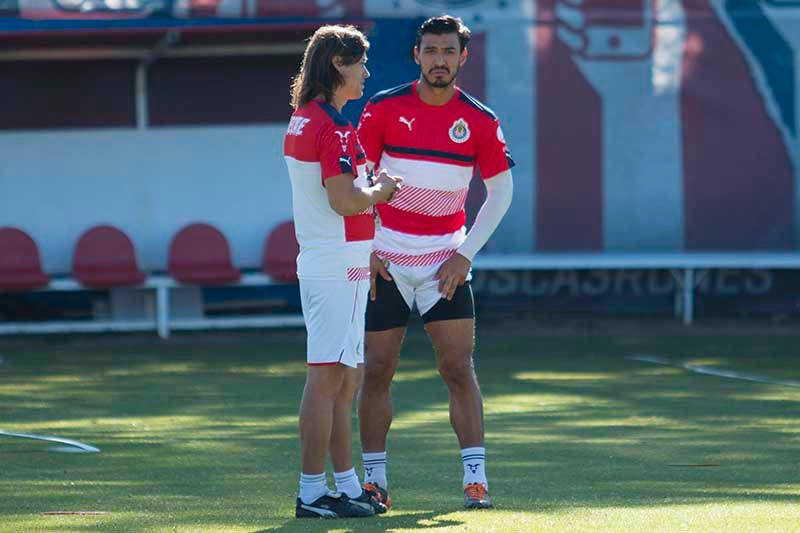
386	186
377	266
452	274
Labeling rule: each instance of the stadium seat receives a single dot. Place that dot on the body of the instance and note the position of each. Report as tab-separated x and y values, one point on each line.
20	264
104	258
199	254
279	260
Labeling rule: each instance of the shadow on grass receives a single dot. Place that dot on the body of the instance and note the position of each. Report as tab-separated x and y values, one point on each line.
426	520
199	434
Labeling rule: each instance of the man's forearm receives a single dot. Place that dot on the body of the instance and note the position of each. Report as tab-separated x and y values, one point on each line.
499	191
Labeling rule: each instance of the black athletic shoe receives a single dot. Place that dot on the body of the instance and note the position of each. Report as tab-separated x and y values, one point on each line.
371	498
332	505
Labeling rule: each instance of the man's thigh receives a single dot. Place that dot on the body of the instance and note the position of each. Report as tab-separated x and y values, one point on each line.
390	309
453	340
434	308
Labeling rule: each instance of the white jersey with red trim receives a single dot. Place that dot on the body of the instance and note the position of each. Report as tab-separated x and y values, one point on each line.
435	149
319	144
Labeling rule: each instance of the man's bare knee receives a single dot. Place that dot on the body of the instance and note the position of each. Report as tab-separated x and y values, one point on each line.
350	383
378	375
382	352
457	372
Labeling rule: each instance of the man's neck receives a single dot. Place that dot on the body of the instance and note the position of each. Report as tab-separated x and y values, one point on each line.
337	101
435	95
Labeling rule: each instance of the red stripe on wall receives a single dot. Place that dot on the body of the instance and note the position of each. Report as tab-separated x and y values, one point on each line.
738	183
569	213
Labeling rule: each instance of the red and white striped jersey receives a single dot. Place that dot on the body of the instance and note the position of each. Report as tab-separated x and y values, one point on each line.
319	144
435	149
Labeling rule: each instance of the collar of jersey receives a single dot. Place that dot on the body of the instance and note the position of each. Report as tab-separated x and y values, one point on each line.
455	97
337	117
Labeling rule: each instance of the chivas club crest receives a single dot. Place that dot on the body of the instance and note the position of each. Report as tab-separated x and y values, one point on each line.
459	131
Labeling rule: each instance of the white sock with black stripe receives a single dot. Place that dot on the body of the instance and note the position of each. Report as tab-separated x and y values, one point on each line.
375	468
474	461
347	482
312	487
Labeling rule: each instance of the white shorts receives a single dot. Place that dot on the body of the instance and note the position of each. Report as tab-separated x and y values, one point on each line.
334	316
418	285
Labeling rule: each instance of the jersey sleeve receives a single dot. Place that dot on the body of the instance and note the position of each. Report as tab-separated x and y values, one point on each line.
334	156
370	131
494	156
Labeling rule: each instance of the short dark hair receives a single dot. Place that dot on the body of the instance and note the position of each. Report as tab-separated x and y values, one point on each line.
442	25
317	74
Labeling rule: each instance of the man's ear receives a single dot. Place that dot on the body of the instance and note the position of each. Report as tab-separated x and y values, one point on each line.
416	55
337	62
463	58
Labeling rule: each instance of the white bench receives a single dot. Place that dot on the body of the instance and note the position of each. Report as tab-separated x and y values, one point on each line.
160	286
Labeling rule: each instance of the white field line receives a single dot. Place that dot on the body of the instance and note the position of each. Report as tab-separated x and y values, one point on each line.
711	371
72	445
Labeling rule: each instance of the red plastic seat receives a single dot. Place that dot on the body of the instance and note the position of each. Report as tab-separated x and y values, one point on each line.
104	257
20	264
199	254
279	260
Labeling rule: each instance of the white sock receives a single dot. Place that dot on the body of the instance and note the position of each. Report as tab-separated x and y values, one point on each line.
312	486
375	468
347	482
474	461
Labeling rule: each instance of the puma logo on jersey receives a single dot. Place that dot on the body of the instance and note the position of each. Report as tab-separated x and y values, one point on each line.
407	122
345	163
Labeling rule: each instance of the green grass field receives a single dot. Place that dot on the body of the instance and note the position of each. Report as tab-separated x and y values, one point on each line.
199	433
